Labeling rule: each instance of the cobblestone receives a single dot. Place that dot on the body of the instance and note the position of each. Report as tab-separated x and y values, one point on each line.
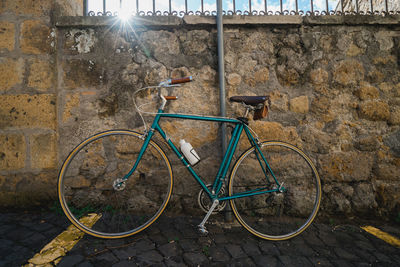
173	241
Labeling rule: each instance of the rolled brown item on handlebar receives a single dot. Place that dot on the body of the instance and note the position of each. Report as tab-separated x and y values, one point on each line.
170	97
181	80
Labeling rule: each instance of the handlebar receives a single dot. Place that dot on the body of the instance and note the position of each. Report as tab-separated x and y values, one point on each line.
181	80
176	81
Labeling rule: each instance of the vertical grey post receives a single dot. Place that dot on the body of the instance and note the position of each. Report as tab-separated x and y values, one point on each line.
327	7
221	75
312	7
85	7
386	7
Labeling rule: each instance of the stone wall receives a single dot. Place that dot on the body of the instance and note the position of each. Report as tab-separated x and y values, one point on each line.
28	97
335	91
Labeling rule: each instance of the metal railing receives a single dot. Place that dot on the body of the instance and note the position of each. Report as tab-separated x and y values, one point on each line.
240	7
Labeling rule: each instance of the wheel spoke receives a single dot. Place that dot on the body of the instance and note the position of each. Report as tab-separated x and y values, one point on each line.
87	177
278	215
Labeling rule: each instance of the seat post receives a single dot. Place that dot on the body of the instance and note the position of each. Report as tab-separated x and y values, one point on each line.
246	113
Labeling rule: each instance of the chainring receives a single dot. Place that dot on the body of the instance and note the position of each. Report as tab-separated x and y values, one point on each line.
205	202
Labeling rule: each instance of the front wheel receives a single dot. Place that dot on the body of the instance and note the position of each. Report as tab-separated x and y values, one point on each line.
296	190
96	199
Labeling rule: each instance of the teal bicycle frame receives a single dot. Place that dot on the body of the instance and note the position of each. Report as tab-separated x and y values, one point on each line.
226	161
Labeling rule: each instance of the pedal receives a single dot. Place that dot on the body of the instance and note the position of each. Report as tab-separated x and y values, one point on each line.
202	230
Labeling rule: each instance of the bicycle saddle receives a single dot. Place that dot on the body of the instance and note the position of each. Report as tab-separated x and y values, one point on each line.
249	100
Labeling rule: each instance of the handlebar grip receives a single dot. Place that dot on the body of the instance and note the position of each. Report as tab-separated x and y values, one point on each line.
181	80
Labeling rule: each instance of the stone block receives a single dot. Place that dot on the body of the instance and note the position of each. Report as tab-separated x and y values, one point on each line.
397	89
374	110
346	166
68	8
395	116
367	91
288	76
367	143
196	133
388	195
79	41
11	73
72	101
275	131
180	72
316	140
348	72
233	79
12	151
35	189
28	111
37	8
279	101
262	75
80	73
319	76
387	171
321	106
385	40
385	87
196	42
7	36
354	50
299	104
43	151
384	60
36	38
364	198
41	75
393	143
152	39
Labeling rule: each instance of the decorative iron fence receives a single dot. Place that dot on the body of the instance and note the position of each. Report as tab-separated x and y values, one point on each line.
240	7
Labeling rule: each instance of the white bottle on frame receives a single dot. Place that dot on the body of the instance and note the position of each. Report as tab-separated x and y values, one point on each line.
189	152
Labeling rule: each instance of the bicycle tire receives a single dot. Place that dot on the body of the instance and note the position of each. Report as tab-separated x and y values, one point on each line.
86	186
278	215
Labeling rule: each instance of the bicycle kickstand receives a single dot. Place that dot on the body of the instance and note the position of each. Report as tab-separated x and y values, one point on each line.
201	226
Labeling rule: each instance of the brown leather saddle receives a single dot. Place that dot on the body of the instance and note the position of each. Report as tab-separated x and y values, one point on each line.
259	102
249	100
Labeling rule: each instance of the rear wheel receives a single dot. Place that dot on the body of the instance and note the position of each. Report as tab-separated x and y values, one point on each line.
278	215
97	201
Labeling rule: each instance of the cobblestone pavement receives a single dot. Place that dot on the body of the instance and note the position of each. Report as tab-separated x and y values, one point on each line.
174	241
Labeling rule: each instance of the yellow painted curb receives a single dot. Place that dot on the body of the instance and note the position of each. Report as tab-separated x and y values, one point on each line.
52	253
382	235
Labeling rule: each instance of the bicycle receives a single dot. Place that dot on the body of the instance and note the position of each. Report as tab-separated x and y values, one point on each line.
123	179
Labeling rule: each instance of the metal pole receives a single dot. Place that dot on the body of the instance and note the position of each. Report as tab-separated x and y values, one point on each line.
85	7
222	94
386	7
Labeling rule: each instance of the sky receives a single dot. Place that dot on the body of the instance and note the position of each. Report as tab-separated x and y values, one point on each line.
128	6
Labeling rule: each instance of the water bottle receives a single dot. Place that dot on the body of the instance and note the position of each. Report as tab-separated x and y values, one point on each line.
189	152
